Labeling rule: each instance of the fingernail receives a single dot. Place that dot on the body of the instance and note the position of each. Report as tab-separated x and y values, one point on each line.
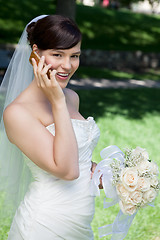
54	71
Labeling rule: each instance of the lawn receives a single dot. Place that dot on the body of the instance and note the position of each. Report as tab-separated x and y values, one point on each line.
105	73
118	30
102	28
126	118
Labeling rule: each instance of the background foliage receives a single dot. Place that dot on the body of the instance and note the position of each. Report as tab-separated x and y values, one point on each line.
102	28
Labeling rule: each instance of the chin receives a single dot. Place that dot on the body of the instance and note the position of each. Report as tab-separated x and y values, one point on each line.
63	85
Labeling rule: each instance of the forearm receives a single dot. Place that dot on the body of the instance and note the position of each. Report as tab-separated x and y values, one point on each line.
65	148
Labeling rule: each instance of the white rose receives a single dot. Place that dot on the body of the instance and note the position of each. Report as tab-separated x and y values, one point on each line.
154	181
143	203
154	168
129	178
144	166
139	153
135	197
128	209
145	154
122	192
150	195
143	184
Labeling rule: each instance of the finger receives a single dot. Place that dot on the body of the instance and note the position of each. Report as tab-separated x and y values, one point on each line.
40	73
41	63
45	69
101	184
93	166
34	66
44	76
53	77
35	70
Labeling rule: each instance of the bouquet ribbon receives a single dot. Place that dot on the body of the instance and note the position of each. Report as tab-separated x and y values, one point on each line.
119	228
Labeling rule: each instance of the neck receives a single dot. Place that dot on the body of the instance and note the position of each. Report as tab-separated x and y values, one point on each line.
37	93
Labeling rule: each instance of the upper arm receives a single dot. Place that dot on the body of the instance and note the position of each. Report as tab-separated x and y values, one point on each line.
30	136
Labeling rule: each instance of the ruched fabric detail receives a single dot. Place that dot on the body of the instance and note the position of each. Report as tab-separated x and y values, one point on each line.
53	208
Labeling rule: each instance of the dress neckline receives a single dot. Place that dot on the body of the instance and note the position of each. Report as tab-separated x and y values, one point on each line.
76	120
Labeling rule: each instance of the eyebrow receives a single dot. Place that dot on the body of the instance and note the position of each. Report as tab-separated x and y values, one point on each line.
56	50
79	52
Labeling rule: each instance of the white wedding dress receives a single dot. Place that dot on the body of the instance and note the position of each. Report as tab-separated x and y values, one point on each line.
55	209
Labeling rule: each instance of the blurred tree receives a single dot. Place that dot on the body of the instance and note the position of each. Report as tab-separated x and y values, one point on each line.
154	4
66	7
127	3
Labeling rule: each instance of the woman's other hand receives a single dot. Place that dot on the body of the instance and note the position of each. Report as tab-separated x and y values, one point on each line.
93	167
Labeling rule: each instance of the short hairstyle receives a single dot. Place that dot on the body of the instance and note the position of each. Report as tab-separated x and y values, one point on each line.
54	32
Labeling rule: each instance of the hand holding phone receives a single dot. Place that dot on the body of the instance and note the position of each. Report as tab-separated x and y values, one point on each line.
37	59
35	56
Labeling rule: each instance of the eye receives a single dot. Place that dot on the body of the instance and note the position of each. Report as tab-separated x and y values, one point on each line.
75	56
57	55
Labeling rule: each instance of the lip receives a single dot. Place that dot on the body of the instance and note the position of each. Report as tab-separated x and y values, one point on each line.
62	75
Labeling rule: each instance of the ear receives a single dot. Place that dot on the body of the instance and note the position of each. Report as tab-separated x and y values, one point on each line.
35	48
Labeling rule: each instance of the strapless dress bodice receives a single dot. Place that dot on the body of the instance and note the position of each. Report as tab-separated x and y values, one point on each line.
87	135
54	208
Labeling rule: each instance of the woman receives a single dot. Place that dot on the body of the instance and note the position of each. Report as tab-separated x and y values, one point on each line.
43	121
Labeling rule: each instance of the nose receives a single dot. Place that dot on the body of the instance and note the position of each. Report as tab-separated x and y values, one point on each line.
66	64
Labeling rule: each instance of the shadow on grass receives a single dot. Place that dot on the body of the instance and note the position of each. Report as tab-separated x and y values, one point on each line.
118	29
131	103
101	28
16	14
95	72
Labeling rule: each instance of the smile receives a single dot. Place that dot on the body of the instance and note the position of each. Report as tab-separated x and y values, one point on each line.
63	74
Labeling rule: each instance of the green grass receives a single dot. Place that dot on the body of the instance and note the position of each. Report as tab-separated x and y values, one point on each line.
93	72
118	30
126	118
102	28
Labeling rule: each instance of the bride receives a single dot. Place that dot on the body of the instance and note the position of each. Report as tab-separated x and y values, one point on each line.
42	120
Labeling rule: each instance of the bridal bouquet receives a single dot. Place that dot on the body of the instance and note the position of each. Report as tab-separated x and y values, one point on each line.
130	179
136	181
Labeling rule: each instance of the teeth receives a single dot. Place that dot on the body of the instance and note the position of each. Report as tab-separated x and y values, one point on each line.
63	74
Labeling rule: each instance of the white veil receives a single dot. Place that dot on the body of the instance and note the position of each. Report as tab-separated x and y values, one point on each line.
15	176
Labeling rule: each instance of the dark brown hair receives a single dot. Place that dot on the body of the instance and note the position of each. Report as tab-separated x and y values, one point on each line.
54	32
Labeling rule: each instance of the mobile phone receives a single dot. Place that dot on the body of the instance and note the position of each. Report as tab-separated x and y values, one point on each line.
37	58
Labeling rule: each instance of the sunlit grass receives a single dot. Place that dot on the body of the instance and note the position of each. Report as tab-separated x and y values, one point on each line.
118	30
94	72
126	118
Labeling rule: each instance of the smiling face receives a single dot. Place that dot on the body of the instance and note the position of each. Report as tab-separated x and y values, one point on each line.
64	61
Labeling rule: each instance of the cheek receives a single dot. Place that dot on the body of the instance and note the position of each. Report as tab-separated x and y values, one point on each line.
50	61
76	65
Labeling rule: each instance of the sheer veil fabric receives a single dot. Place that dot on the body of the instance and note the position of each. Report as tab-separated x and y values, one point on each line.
15	175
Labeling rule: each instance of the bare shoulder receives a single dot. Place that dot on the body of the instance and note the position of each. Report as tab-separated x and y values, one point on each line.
13	112
72	97
16	116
